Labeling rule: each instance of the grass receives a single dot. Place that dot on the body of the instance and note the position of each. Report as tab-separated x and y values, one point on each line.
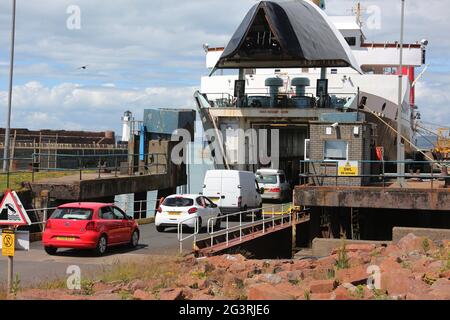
307	294
359	292
17	179
380	295
163	270
342	261
52	285
429	279
331	274
426	245
15	287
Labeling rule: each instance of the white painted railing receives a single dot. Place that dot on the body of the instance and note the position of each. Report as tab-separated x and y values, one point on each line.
182	223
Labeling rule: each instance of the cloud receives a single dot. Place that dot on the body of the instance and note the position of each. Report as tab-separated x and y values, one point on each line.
152	52
76	107
433	97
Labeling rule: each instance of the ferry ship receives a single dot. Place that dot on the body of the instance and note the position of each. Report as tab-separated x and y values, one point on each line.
290	65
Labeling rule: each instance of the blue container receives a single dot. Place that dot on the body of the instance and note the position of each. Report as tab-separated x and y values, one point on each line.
166	121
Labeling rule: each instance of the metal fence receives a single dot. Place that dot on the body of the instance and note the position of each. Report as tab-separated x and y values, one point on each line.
40	216
316	171
139	209
268	215
84	166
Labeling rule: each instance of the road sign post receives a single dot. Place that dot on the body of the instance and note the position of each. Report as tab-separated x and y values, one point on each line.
8	249
12	214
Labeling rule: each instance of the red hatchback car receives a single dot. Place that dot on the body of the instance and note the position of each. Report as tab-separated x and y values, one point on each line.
89	226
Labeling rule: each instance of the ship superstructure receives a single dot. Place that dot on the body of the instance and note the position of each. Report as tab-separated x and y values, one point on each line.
279	82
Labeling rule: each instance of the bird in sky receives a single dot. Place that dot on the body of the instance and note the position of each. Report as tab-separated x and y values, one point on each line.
83	67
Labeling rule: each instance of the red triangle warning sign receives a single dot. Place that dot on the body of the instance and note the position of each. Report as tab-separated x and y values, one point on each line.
12	211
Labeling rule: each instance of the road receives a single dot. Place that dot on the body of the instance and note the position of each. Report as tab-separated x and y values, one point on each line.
36	266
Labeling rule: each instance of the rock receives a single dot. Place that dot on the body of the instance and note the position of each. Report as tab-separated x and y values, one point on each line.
445	274
368	248
411	243
143	295
419	296
420	265
322	286
390	264
342	293
225	261
321	273
441	289
435	266
189	280
103	288
267	291
357	259
269	278
302	264
327	262
441	283
237	267
356	275
321	296
292	276
105	297
296	291
135	285
171	294
202	296
232	286
397	281
392	250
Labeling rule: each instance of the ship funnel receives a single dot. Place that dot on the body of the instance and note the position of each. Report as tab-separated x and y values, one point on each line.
300	85
274	85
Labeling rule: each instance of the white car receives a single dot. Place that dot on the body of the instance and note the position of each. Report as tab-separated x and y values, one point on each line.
179	208
275	185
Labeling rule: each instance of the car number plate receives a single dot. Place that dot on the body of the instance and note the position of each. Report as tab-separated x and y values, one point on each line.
174	213
66	238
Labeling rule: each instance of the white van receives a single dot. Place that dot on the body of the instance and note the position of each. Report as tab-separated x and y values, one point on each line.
232	191
275	185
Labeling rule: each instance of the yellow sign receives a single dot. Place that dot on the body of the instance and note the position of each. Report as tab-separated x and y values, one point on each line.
348	168
8	241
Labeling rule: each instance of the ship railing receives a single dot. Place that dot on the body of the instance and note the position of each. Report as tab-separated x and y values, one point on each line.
432	174
225	100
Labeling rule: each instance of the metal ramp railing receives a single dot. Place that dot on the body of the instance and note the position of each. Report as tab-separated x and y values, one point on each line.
263	221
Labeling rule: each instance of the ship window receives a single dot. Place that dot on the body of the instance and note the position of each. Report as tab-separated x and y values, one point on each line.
335	150
351	41
334	71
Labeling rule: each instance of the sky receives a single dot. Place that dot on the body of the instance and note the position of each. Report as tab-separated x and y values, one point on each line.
142	54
